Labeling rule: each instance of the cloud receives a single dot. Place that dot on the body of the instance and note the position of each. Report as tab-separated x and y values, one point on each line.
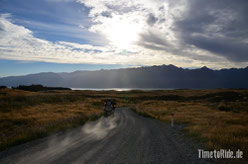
156	27
220	28
151	19
146	32
19	43
233	50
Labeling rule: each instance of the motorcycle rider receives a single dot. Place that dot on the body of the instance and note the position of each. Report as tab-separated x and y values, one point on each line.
108	102
110	105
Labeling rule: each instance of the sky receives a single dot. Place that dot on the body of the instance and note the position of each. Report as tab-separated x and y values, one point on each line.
69	35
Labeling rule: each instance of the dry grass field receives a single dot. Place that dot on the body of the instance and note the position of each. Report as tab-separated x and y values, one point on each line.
28	115
216	117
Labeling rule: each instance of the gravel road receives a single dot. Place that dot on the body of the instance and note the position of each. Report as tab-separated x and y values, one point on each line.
123	138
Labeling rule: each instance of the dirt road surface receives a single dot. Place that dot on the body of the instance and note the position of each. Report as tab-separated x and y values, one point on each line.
123	138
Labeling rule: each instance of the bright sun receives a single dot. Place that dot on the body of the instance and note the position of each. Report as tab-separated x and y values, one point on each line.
123	34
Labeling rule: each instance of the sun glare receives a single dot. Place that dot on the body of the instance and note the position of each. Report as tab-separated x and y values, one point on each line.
123	34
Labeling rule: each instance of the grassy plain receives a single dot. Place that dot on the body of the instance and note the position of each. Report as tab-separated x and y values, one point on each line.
217	117
29	115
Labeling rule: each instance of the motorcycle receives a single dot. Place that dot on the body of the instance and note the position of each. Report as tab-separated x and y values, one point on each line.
109	109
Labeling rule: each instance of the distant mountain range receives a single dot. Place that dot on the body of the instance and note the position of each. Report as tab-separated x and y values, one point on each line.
165	76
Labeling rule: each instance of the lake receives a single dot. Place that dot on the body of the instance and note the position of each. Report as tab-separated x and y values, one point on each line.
121	89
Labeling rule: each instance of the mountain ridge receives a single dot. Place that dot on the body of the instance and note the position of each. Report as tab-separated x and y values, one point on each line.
163	76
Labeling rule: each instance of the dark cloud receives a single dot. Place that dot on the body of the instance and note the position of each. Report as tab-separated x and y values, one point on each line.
232	50
156	42
151	19
220	27
152	38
